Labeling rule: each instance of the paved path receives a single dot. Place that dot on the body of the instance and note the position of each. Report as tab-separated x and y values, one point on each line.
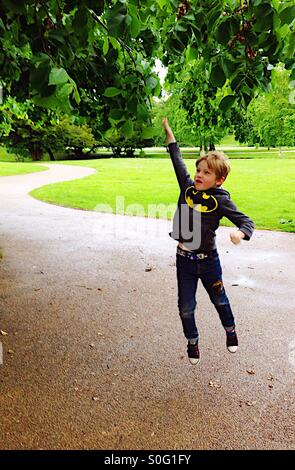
95	357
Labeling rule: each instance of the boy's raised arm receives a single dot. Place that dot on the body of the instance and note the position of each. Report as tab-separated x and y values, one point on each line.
170	139
179	166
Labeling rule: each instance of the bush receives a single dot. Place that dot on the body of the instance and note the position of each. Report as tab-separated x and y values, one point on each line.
68	137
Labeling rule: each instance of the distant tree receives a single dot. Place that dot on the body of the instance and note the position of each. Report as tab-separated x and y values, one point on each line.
171	107
30	131
272	115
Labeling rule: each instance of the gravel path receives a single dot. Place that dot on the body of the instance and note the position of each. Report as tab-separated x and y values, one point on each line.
95	357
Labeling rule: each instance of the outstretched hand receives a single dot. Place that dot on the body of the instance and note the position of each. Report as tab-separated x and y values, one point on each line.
236	236
167	129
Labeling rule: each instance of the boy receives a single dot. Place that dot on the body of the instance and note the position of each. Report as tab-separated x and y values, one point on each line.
201	205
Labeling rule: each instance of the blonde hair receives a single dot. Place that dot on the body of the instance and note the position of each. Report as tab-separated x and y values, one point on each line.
217	162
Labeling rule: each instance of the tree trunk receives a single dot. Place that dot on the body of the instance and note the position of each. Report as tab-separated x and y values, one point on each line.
211	147
280	152
50	154
79	152
36	152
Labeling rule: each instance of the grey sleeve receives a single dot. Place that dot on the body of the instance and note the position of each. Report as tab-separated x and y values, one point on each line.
179	166
241	220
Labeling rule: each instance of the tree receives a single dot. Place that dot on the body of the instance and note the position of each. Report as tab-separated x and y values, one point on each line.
54	53
239	41
201	102
60	53
272	115
30	131
178	120
42	42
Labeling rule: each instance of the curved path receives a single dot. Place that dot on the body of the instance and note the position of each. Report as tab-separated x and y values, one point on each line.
95	358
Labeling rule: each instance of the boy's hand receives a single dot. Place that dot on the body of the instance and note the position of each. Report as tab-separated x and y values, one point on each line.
169	134
236	236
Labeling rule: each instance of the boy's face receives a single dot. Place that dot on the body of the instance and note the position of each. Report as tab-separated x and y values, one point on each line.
206	178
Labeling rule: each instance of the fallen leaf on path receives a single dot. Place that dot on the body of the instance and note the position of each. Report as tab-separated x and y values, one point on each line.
91	345
214	384
10	351
251	371
148	269
95	398
37	288
251	403
3	333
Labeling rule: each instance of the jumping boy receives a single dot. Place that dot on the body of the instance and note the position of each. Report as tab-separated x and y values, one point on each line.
201	204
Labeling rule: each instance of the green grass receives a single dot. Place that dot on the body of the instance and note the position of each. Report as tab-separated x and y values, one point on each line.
232	154
262	188
15	168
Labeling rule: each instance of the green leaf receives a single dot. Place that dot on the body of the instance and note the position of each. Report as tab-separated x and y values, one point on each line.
291	46
287	15
114	43
148	132
142	112
127	129
58	76
191	53
105	46
180	26
162	3
111	91
227	102
76	95
264	14
116	114
217	76
152	82
135	26
229	67
227	30
128	20
158	89
116	20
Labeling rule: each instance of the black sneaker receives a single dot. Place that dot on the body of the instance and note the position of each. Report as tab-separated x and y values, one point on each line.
193	353
231	341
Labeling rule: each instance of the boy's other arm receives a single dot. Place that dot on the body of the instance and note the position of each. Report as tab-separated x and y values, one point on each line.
241	220
179	166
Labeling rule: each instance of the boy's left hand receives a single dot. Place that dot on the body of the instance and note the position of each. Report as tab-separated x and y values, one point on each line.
236	236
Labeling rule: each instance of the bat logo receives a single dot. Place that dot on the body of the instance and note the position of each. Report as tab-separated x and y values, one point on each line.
200	201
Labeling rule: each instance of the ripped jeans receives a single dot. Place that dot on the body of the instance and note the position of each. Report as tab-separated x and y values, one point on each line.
209	271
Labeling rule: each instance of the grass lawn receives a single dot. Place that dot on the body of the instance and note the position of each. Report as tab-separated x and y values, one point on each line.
262	188
15	168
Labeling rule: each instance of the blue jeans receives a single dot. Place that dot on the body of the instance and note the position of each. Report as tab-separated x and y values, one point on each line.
209	271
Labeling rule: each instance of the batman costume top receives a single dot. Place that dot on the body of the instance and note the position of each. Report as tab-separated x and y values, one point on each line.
199	212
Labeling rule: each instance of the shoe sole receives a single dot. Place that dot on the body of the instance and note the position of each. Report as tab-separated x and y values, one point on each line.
194	361
232	350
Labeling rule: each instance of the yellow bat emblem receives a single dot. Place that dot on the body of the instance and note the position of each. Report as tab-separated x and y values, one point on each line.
200	201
